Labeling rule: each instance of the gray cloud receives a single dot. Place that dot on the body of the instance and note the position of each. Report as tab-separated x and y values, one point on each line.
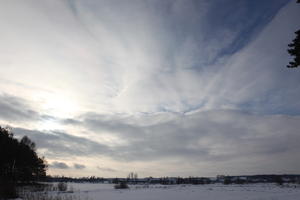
106	169
16	109
211	136
215	136
79	166
60	144
59	165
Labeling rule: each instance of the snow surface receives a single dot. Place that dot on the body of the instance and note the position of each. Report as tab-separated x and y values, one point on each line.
89	191
187	192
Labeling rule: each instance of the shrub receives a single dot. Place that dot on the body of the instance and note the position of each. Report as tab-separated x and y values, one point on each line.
227	181
121	185
278	180
62	187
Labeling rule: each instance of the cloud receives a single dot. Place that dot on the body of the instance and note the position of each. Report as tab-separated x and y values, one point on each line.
63	165
211	135
106	169
215	136
59	165
60	144
16	109
79	166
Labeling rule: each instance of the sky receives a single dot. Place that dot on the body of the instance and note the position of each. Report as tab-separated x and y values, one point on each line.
160	88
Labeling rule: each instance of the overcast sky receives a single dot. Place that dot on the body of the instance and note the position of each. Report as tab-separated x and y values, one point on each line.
161	88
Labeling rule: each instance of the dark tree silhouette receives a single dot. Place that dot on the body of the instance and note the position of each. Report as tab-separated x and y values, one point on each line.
19	161
294	50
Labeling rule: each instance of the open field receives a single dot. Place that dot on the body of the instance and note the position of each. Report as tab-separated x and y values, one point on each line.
87	191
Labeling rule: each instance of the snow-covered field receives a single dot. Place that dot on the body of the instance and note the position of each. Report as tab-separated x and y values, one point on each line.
88	191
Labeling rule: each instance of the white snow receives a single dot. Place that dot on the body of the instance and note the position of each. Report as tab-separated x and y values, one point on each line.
188	192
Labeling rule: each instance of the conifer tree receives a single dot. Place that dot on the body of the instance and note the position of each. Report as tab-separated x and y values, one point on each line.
294	51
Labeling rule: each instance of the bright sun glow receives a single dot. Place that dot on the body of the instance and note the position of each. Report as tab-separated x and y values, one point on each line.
49	124
57	106
60	106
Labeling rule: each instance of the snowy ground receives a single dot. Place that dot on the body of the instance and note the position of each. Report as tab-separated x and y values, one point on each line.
87	191
188	192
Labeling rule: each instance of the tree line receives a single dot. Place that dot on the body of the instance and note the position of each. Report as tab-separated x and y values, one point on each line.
19	162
